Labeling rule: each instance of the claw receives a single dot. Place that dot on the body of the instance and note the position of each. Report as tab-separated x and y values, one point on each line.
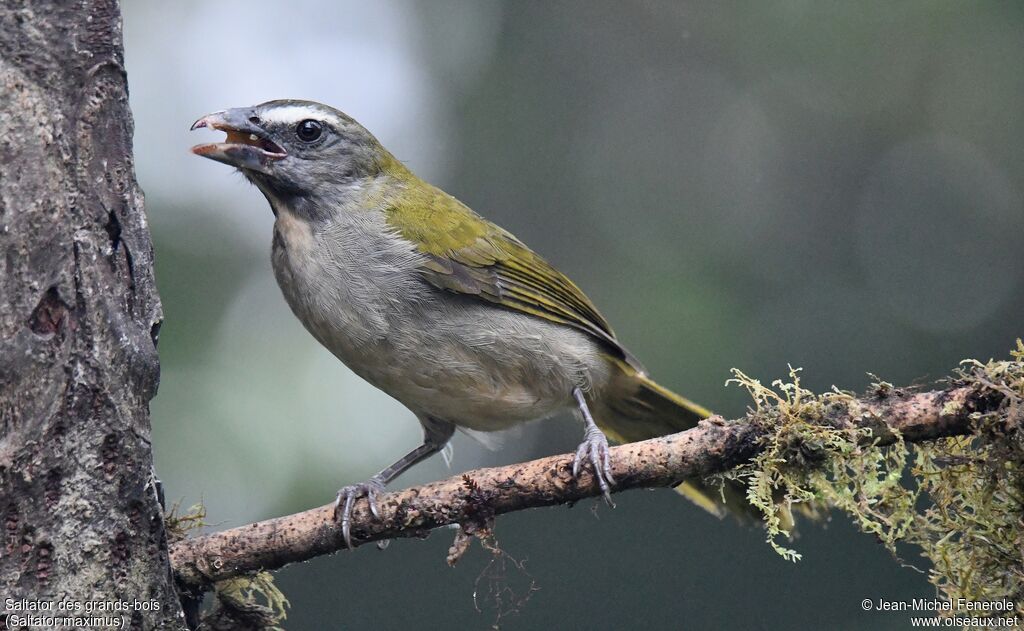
347	496
594	449
371	497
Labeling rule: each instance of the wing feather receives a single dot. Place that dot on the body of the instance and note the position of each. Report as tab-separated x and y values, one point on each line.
466	254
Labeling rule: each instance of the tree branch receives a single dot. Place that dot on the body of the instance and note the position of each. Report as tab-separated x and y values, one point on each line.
714	446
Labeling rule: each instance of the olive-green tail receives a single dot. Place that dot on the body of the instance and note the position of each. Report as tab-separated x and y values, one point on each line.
638	409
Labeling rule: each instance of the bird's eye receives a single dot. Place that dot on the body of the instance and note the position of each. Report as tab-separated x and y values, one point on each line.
309	130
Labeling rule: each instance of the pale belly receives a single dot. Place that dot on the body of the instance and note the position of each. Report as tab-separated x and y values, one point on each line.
484	368
479	368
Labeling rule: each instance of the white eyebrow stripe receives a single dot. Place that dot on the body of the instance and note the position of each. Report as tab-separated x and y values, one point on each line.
292	114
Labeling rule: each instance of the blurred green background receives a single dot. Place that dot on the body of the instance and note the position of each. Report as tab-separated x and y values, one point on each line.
836	186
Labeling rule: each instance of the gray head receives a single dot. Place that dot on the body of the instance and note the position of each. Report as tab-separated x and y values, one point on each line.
296	150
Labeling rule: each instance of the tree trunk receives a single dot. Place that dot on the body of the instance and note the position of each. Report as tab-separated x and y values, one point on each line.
79	316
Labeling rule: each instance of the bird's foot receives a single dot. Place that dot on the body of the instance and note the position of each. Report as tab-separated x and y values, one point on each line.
594	449
347	496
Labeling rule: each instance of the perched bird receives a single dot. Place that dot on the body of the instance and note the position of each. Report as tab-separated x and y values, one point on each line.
443	310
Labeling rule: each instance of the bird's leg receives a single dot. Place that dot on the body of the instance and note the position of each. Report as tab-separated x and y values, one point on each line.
594	449
436	435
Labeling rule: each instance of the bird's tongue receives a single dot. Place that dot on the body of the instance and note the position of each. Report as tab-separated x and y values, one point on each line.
243	138
240	138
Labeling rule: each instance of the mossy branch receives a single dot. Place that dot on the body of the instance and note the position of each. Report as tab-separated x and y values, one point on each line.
788	430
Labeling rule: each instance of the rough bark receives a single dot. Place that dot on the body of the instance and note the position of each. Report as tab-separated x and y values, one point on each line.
477	496
79	316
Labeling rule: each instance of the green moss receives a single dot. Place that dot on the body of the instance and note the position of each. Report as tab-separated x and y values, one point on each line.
960	500
179	525
972	531
247	602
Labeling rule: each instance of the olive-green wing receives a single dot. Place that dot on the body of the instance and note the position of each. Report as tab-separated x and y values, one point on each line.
469	255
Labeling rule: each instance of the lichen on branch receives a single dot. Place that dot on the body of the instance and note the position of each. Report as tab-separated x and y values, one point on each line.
958	499
814	459
973	529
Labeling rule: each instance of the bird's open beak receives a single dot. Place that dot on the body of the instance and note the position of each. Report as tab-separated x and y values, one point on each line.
247	145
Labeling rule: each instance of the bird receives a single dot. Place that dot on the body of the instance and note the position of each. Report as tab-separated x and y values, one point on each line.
443	310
